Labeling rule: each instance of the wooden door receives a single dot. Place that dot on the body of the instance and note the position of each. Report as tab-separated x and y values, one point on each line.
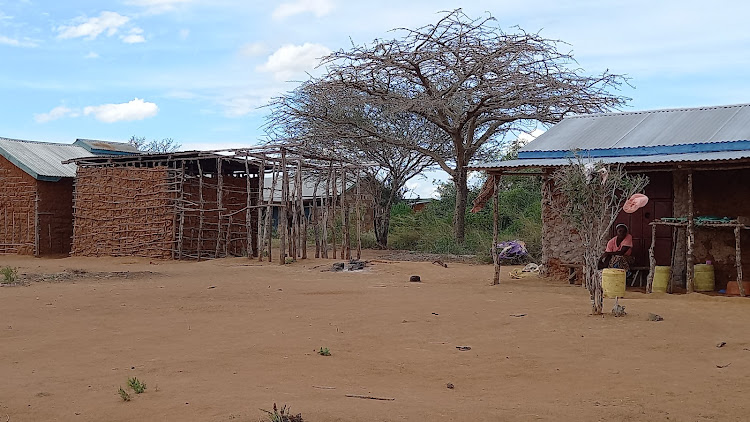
659	192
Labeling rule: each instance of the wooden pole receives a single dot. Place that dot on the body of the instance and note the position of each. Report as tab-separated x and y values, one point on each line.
324	205
295	219
261	188
359	219
201	209
248	212
269	211
690	284
303	216
651	260
333	214
738	259
219	204
316	219
675	236
495	231
181	229
283	210
346	247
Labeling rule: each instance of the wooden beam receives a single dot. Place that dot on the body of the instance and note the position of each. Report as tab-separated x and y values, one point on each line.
261	187
283	211
359	218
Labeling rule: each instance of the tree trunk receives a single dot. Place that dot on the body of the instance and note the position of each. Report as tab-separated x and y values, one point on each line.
462	194
382	224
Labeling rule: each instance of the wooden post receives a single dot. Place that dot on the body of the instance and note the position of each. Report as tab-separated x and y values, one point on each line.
495	230
303	215
690	284
346	247
261	188
219	204
181	229
325	205
295	220
201	211
738	259
651	260
359	220
675	235
316	219
249	247
333	213
283	210
269	212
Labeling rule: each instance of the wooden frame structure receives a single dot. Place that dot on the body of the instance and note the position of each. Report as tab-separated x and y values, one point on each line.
212	204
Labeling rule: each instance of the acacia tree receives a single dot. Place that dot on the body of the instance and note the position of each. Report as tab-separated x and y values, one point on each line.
593	194
474	83
166	145
334	121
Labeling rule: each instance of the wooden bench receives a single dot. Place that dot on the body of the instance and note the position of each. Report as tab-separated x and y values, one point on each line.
638	273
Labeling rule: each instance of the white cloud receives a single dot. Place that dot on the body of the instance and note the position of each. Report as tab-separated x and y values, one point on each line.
133	110
56	113
317	7
109	22
184	33
290	60
253	49
13	42
91	55
158	6
134	36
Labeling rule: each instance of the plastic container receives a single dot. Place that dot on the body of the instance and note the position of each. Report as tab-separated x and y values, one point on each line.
613	282
734	290
704	278
661	279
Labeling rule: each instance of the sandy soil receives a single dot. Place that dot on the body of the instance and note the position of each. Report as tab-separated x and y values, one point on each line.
220	354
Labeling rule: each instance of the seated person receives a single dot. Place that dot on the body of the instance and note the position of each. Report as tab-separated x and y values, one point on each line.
619	250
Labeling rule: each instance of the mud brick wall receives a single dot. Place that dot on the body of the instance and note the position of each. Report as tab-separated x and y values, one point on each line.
560	241
123	211
223	231
17	210
55	216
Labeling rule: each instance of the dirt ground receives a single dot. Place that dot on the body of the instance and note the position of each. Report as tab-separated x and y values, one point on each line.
216	341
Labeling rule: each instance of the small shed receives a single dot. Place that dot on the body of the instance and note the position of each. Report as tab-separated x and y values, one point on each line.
698	163
36	196
191	204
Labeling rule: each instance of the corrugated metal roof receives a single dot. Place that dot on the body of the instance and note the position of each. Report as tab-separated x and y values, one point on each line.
42	160
308	188
646	128
643	159
106	147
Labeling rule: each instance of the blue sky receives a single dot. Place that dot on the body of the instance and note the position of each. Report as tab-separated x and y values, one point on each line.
198	70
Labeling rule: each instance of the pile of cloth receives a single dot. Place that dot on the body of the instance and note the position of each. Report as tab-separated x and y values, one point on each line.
511	249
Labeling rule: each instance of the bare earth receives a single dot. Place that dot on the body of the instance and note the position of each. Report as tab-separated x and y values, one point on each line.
219	354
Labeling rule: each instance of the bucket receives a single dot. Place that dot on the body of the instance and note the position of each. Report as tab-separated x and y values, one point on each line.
661	279
613	282
704	278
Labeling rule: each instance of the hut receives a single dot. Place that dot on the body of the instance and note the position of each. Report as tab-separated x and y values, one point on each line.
36	195
174	205
206	204
698	163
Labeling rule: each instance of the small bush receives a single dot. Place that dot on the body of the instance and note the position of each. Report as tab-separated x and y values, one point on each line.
124	395
137	386
282	415
324	351
10	275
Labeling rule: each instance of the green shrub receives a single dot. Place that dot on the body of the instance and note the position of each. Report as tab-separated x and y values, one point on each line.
10	275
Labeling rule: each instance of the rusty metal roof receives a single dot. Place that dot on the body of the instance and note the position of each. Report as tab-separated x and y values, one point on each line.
106	147
42	160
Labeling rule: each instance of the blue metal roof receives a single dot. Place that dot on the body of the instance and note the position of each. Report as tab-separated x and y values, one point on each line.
655	136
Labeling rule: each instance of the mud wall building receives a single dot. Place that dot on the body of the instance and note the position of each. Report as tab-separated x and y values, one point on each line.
183	205
710	145
36	195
